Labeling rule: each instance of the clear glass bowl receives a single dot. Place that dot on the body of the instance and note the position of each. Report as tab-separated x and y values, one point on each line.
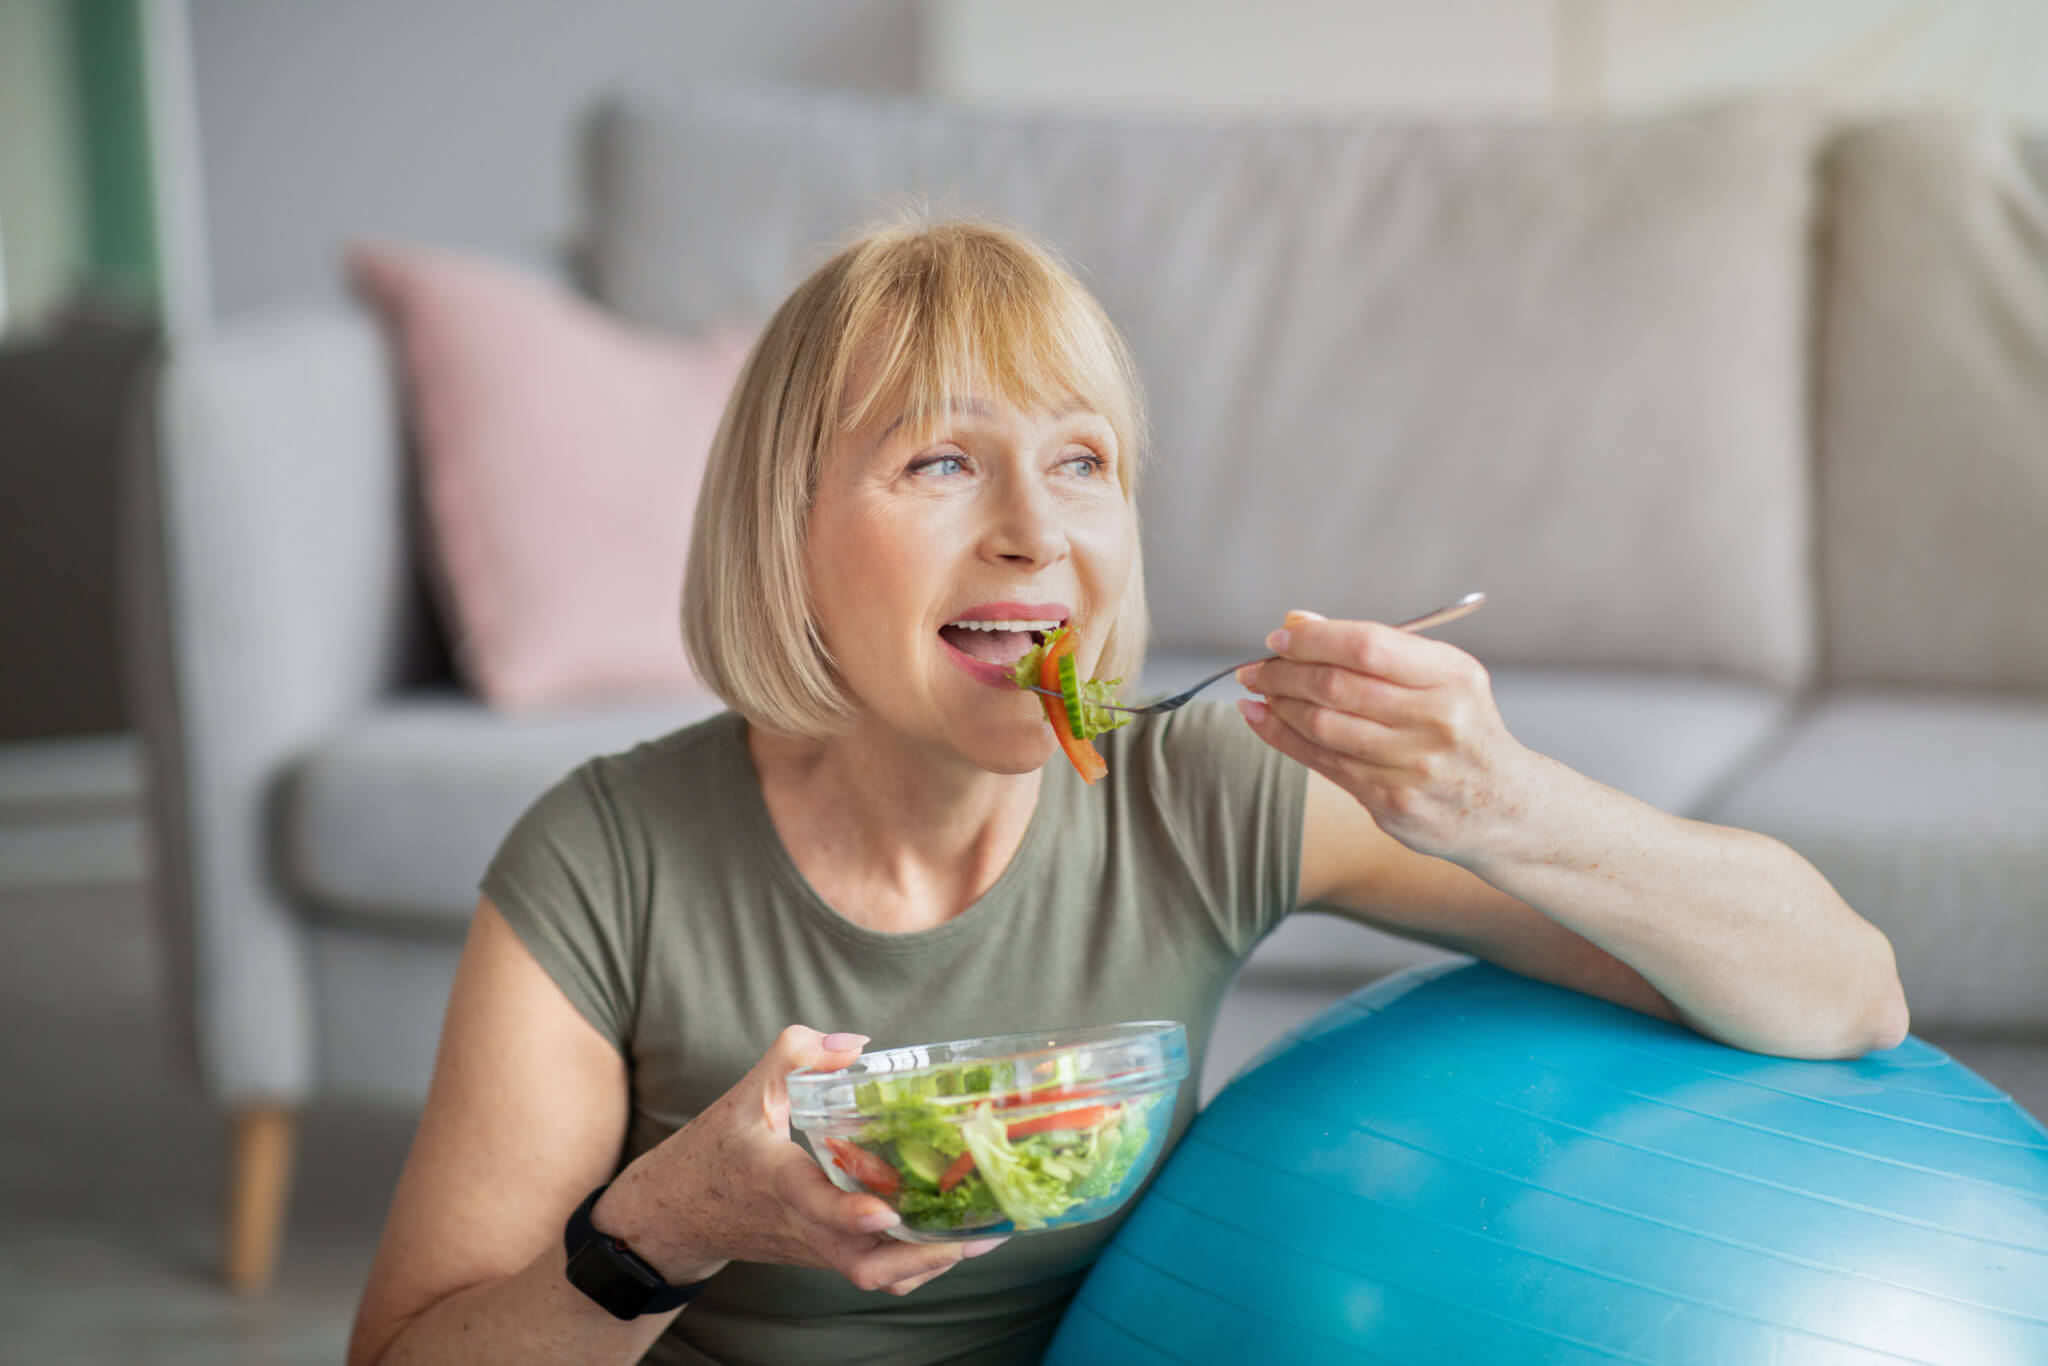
1013	1133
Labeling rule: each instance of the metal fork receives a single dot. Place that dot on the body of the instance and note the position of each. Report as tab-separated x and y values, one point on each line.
1464	606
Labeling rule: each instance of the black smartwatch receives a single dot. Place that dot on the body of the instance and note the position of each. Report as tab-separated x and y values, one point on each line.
607	1270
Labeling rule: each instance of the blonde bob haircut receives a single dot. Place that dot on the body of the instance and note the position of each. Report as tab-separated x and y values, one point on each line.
933	312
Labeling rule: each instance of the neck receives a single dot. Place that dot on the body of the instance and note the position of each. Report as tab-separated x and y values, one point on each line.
892	837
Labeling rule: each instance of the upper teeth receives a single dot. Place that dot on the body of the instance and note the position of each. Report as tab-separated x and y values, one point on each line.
1005	625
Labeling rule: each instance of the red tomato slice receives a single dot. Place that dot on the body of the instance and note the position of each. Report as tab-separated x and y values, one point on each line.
1080	753
956	1173
1081	1117
864	1167
1051	1095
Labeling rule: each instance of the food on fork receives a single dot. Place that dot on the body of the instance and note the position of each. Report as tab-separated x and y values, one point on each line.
1080	712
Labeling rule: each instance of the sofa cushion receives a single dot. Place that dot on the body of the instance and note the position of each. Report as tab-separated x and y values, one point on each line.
559	456
1565	364
1929	813
1674	742
1933	390
395	815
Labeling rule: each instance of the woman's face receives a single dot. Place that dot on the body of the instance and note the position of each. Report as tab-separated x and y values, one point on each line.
917	546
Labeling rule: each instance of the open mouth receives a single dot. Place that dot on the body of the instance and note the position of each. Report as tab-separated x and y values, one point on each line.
1001	643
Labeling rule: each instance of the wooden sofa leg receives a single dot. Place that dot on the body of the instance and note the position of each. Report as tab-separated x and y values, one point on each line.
259	1189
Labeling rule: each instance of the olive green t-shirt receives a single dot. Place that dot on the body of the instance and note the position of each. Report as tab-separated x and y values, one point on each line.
653	887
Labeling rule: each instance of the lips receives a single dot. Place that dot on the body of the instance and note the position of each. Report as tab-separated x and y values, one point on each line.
1000	632
990	637
1008	610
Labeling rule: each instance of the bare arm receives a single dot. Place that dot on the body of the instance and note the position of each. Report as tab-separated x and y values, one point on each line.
526	1115
1427	817
1349	864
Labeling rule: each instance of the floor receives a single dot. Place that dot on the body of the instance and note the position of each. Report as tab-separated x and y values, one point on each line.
110	1165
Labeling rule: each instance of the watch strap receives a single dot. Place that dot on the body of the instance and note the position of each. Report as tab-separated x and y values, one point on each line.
612	1274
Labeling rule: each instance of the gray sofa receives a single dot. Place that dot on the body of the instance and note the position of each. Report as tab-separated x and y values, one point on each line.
1740	417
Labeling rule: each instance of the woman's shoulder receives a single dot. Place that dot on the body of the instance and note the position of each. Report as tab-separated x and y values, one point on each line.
645	782
692	750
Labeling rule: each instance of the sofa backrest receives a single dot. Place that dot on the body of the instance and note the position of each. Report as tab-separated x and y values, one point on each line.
1933	390
1386	363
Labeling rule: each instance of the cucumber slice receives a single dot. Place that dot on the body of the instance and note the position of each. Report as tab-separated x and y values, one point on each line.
921	1159
1070	693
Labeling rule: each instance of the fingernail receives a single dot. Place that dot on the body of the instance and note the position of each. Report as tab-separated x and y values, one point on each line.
879	1220
844	1043
981	1245
1252	709
1246	675
1303	614
1277	642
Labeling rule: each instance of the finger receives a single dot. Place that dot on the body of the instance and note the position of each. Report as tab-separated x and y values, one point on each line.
905	1287
800	1046
1342	769
795	1047
808	1191
1332	685
970	1249
877	1268
1340	734
1367	647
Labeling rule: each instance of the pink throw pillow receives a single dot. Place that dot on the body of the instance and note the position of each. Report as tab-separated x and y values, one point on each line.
560	452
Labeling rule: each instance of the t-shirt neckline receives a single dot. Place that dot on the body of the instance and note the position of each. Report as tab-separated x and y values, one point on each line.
985	909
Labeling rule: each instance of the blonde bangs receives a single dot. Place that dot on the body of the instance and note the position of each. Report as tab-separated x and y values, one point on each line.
911	319
964	310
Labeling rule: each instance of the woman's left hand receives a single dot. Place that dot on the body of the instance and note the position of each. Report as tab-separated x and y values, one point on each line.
1405	724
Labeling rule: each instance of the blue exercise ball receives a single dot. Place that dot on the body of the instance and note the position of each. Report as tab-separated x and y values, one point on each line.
1457	1164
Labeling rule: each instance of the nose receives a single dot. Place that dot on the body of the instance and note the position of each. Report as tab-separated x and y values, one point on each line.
1026	531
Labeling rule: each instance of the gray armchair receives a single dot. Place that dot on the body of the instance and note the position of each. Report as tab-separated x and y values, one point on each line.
323	795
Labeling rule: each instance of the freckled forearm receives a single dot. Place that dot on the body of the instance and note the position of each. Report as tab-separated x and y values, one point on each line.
535	1315
1745	937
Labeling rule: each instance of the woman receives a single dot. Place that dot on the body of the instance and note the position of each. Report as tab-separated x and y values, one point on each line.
931	453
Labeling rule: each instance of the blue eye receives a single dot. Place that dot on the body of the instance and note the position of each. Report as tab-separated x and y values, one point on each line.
940	464
1093	464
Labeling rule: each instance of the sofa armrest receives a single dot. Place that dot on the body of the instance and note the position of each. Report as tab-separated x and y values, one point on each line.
269	593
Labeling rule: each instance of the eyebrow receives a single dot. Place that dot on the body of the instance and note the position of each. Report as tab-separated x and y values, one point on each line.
976	408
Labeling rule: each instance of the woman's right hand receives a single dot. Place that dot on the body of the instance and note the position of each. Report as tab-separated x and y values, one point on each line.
732	1186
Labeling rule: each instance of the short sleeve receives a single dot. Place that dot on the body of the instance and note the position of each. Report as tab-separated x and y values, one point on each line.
1234	807
560	880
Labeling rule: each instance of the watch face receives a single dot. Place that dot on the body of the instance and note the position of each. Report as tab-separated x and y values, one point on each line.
606	1274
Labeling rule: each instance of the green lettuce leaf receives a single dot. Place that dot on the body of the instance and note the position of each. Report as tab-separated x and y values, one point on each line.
1016	1174
885	1092
1024	673
925	1124
1095	718
1120	1146
970	1202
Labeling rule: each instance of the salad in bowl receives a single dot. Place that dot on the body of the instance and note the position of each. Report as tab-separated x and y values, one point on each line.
1014	1133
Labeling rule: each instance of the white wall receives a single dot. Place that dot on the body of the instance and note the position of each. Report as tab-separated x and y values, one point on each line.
1987	54
1278	56
453	121
1475	56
